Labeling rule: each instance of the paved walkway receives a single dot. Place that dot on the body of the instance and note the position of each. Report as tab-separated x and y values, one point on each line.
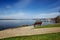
27	31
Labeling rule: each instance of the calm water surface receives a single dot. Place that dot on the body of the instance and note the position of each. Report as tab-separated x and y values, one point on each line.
4	24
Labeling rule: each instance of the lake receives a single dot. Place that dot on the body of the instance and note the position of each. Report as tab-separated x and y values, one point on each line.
5	24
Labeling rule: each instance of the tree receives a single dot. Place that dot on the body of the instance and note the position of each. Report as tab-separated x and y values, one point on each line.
57	19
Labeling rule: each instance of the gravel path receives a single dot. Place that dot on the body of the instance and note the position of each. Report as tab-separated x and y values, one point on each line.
27	31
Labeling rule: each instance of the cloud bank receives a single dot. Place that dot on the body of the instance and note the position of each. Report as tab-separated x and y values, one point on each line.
47	15
22	15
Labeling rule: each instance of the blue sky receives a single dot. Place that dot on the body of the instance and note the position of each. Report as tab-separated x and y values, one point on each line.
19	9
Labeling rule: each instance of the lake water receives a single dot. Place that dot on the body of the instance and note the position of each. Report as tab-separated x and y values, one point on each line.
4	24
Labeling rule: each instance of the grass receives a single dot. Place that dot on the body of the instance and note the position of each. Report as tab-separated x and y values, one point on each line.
49	25
50	36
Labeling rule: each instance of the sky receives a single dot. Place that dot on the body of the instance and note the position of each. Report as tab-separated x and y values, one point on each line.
29	9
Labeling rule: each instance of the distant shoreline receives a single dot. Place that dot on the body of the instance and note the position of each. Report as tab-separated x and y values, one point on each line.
19	19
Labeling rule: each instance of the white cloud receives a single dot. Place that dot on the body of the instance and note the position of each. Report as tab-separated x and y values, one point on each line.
8	6
47	15
56	9
22	15
19	4
13	16
22	3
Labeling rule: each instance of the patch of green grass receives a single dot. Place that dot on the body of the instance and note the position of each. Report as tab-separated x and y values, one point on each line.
49	25
50	36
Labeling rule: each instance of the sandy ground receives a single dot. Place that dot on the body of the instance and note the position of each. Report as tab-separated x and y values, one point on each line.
27	31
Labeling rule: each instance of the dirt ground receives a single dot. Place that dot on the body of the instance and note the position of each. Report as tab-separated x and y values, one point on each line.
29	30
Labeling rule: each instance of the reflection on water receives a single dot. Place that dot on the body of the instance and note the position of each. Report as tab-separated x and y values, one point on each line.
16	23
